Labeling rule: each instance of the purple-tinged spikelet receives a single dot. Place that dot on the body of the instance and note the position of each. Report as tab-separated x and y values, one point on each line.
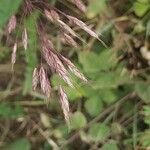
35	79
64	103
52	15
69	40
24	38
11	24
13	55
73	69
80	5
44	82
53	60
83	26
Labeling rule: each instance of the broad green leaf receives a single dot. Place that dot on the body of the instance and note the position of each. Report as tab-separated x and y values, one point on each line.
89	61
108	96
8	111
77	120
98	132
19	144
140	8
109	146
8	8
110	80
143	90
93	62
94	105
95	7
31	57
74	93
89	91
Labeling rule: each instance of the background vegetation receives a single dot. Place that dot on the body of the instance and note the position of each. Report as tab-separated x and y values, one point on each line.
111	111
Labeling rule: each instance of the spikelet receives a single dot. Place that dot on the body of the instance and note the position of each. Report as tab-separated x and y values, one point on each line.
73	69
24	38
48	15
50	44
13	55
52	15
35	79
83	26
64	103
53	60
67	29
80	5
44	82
69	40
11	24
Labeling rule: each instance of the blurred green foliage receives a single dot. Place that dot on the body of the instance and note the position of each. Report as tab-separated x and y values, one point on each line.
140	7
104	114
21	143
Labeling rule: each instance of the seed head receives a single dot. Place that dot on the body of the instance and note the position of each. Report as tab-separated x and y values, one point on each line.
45	84
80	5
64	103
24	38
11	24
13	55
35	79
73	69
69	40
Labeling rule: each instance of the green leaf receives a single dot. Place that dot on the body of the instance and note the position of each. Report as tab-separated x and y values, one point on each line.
98	132
93	62
108	96
95	7
110	146
8	111
110	80
94	105
73	93
140	8
89	91
19	144
77	120
8	8
143	90
31	57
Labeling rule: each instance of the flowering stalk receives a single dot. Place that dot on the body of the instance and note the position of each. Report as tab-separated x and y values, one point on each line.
53	59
